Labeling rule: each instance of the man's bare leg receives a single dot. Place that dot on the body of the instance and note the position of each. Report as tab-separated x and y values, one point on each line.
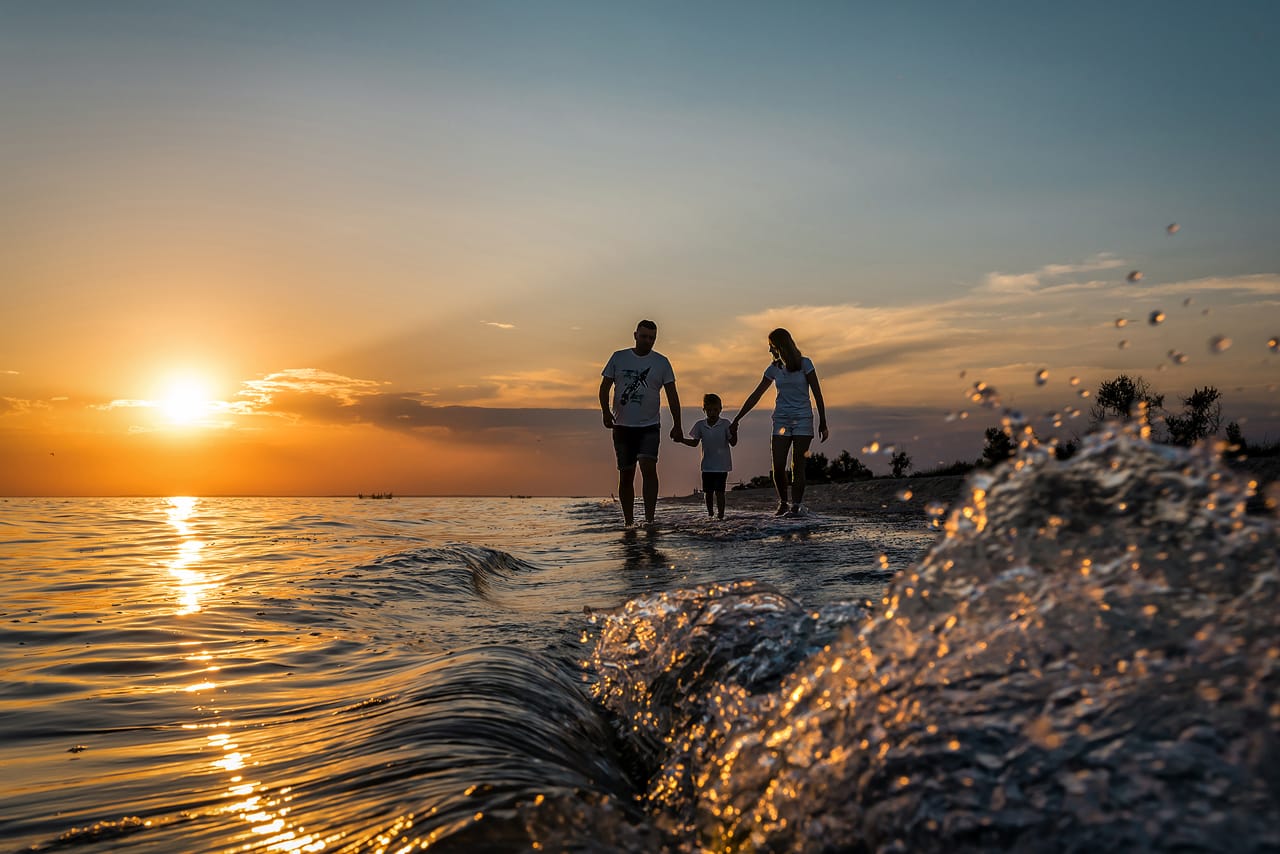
649	485
627	494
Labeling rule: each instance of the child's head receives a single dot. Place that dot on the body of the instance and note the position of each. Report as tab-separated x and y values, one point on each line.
711	405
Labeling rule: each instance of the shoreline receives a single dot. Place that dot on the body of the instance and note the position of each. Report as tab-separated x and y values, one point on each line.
888	496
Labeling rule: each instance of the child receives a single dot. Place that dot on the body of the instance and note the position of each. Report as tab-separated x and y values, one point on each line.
713	433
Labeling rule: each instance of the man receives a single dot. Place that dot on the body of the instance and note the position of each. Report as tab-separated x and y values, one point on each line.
636	374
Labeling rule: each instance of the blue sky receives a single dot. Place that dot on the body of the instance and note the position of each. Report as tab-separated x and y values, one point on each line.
470	204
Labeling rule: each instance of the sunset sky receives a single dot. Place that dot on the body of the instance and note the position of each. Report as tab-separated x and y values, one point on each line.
329	248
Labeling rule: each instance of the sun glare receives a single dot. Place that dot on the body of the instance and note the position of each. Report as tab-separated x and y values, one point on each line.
186	401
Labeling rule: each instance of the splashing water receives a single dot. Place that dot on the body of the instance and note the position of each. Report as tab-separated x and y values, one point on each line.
1088	656
1156	318
1219	344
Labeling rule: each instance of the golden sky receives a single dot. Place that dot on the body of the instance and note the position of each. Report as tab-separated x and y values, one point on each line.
392	252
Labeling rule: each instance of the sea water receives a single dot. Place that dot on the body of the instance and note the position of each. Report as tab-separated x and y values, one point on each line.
1080	655
206	674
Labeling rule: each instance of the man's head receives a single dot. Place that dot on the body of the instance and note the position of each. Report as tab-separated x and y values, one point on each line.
646	334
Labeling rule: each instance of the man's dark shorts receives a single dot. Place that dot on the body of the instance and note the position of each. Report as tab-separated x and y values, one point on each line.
714	481
633	443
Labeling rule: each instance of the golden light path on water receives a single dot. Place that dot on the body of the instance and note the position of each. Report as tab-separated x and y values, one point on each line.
266	815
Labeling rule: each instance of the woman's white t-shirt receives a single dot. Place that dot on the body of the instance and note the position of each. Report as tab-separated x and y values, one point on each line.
793	389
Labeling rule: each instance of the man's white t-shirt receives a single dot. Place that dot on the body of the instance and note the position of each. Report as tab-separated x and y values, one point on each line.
716	455
793	390
637	382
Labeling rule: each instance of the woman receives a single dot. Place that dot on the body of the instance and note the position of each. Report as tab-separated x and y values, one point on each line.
794	376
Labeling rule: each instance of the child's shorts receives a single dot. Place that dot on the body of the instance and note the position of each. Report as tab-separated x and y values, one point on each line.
714	481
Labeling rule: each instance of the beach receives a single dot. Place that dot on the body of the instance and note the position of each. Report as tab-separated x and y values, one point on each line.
889	496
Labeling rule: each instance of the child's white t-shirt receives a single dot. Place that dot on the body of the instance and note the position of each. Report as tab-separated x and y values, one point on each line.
715	444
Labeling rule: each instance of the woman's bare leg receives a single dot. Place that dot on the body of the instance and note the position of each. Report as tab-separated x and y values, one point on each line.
780	445
799	448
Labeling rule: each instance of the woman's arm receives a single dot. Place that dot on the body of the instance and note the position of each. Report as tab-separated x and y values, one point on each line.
752	400
812	377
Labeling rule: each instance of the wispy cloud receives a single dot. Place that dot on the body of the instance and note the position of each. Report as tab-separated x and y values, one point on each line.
1026	283
498	324
16	406
344	390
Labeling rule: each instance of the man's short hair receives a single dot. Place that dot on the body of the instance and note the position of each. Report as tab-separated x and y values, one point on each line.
648	324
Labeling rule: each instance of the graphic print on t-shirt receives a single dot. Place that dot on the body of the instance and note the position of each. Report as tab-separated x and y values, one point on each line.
635	383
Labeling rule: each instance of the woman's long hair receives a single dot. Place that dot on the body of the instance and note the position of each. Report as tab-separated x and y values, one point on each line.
788	352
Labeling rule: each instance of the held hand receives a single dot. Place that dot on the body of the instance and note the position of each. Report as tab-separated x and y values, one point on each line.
608	420
733	430
822	430
677	435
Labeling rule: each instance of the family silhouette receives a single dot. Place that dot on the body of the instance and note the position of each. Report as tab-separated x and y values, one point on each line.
635	375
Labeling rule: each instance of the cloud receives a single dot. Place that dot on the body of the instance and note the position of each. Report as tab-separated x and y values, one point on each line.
1027	283
498	324
15	406
297	383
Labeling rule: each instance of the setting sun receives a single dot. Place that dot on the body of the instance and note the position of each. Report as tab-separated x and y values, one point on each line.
186	401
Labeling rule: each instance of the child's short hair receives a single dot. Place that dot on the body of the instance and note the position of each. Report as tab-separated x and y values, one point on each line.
708	399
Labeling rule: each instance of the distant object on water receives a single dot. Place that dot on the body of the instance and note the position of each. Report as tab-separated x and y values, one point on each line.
376	495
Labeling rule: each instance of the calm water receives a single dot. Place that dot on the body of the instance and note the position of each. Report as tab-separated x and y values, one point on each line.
1084	657
304	674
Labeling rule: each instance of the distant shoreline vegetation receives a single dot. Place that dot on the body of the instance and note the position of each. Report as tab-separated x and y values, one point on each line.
1122	399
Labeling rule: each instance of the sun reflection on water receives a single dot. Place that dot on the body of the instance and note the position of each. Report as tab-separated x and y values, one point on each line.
266	813
193	584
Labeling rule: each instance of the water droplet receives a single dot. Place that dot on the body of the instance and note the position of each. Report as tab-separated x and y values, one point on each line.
1124	343
1134	276
1187	302
1156	318
1172	228
1273	344
904	495
1084	392
951	416
873	447
1178	358
1121	323
1075	381
1042	376
1219	344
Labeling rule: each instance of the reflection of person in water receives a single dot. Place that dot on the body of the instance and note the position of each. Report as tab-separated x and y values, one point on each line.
647	568
636	374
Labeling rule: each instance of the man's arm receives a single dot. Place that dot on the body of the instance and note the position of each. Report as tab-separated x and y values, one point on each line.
673	403
605	385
